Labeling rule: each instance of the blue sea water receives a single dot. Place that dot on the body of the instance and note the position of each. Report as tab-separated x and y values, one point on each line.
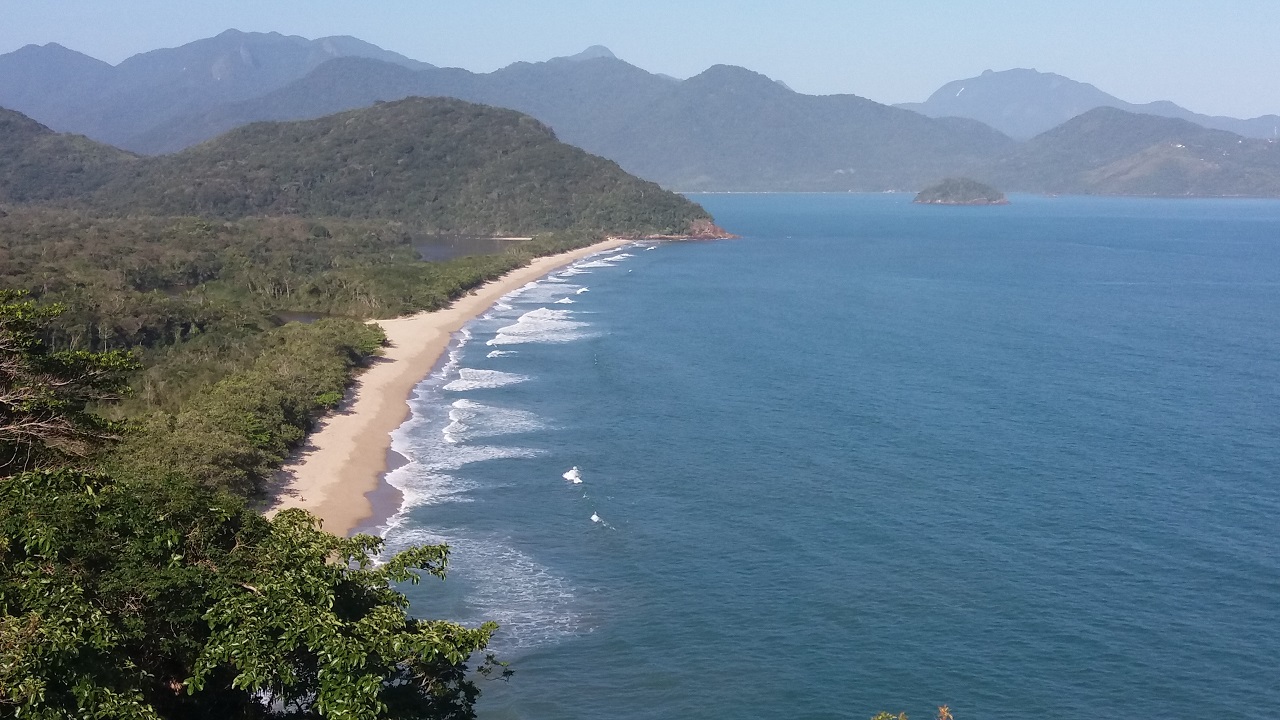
873	456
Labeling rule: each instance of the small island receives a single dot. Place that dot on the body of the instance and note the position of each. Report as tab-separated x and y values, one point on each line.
961	191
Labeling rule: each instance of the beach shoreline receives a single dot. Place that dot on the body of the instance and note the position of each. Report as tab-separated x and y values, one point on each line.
345	458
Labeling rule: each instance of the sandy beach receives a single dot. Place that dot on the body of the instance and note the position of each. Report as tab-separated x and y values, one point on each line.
344	459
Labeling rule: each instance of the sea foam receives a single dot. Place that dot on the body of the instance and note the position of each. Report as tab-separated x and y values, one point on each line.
469	420
475	379
543	325
532	604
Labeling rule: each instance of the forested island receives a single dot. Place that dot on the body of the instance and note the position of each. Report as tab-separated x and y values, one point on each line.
150	388
960	191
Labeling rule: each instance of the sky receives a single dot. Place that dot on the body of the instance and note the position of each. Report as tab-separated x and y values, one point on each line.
1212	57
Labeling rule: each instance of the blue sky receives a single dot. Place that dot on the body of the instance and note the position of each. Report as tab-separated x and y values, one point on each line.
1221	57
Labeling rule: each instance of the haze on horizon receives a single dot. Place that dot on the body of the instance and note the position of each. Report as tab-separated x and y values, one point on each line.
1216	59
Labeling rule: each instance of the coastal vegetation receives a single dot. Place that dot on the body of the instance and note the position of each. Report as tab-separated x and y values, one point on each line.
160	598
163	600
150	387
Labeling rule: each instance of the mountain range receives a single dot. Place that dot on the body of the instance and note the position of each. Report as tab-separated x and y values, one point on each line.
1023	103
725	129
69	91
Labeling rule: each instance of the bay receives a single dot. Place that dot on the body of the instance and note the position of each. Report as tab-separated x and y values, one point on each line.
873	456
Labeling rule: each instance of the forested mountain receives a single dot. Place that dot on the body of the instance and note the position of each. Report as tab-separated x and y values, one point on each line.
440	164
71	92
44	81
37	164
1023	103
576	97
732	129
1110	151
725	129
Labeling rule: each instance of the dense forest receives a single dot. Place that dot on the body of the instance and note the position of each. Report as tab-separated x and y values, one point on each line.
440	164
151	386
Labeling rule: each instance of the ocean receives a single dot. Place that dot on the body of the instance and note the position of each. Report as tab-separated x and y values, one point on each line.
1022	461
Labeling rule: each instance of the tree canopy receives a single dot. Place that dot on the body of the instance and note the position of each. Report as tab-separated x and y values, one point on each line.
44	394
157	597
437	163
140	601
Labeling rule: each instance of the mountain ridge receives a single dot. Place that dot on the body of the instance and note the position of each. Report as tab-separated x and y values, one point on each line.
725	128
687	134
117	102
1111	151
1024	102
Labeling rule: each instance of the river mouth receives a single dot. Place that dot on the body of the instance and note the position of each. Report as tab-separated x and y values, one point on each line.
439	248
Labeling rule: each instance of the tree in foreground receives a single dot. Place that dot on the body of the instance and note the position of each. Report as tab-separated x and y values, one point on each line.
164	599
142	602
44	394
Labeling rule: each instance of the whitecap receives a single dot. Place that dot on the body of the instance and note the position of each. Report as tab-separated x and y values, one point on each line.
541	293
573	475
469	420
541	326
532	604
581	290
473	379
564	301
428	478
500	353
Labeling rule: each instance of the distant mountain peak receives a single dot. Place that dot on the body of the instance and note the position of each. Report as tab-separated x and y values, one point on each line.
47	49
1024	102
740	78
592	53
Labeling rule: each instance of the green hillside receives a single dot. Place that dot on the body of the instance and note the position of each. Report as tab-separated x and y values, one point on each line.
38	165
1110	151
441	164
437	164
